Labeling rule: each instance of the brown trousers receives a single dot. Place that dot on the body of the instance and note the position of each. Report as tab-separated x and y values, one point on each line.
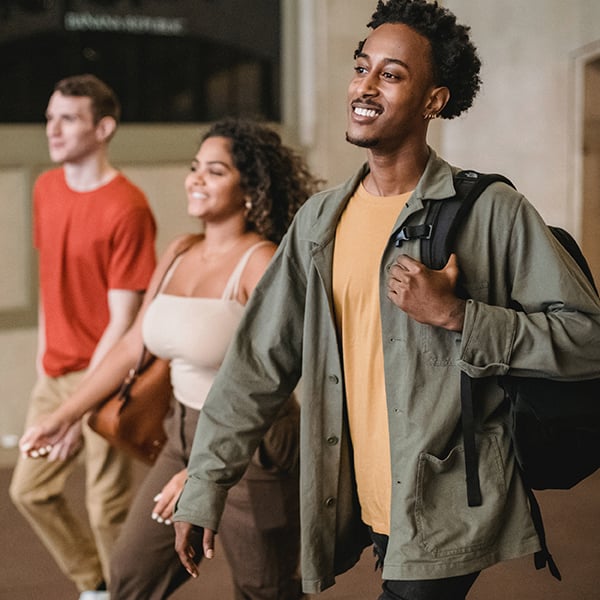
259	531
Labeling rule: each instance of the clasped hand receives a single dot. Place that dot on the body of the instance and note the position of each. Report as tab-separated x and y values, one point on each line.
53	439
426	295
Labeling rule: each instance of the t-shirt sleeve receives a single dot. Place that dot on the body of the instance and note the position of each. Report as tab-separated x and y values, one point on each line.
133	259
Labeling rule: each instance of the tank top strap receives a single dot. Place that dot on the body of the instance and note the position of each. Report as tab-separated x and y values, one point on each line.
233	284
169	273
181	250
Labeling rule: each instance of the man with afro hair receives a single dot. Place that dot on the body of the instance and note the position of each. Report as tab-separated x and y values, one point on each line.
379	341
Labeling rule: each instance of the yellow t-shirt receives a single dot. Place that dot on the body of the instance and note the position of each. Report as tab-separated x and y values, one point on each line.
361	236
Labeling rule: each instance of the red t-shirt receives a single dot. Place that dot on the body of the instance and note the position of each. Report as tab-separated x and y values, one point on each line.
88	243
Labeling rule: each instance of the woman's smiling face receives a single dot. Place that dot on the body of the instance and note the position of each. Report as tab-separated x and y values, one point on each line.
213	184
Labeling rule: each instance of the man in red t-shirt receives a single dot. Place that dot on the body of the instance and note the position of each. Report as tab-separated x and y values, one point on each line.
95	234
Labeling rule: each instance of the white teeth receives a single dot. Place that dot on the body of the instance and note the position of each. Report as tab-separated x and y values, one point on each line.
365	112
197	195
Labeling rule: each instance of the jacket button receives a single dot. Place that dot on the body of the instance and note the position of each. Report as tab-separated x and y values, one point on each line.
332	440
334	379
330	502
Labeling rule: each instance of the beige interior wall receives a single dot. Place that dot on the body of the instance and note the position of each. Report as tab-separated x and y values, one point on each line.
590	206
525	119
522	124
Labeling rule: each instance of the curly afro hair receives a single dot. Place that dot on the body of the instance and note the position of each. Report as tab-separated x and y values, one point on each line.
454	57
273	175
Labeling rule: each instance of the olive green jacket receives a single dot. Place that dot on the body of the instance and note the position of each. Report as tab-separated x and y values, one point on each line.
288	333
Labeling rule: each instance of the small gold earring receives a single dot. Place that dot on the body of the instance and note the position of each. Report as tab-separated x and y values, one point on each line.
248	204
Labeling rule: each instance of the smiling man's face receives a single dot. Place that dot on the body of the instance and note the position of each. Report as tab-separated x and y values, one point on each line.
390	91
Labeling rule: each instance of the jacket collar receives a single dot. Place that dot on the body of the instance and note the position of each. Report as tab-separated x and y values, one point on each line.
435	183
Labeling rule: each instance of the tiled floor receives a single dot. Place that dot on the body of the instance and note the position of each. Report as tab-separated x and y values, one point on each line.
572	521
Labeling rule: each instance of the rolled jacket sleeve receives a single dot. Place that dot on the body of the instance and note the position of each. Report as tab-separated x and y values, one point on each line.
201	503
552	328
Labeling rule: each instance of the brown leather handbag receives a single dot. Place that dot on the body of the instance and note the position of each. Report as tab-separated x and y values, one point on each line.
132	419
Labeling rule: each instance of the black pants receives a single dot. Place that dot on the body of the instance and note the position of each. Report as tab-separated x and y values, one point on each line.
449	588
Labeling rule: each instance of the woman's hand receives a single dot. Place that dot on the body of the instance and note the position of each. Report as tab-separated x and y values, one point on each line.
166	499
39	440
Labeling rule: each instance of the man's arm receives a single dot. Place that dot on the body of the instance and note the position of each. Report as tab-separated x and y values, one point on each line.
555	333
123	306
41	335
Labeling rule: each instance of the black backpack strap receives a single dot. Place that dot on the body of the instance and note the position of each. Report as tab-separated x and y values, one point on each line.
446	216
471	454
543	556
572	247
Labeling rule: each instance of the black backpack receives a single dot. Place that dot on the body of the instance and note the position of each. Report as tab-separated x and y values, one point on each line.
554	425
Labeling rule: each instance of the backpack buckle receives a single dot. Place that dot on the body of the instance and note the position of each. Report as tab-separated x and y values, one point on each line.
413	232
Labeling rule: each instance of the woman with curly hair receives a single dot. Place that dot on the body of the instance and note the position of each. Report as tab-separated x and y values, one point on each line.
245	186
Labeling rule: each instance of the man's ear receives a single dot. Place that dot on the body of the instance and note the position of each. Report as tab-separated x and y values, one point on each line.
106	128
438	98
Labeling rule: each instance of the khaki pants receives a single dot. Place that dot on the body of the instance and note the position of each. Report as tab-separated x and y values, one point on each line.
37	489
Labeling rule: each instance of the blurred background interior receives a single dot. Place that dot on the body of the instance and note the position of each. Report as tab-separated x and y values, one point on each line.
179	64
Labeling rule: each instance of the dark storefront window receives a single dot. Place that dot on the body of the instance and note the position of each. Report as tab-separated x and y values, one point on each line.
168	60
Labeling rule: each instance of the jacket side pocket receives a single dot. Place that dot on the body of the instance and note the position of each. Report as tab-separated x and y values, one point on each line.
447	526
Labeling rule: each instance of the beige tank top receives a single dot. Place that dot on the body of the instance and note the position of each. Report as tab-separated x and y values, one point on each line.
194	333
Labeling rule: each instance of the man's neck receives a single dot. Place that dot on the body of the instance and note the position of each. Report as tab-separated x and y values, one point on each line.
89	174
392	174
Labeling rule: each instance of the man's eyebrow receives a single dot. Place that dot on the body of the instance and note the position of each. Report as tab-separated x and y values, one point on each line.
395	61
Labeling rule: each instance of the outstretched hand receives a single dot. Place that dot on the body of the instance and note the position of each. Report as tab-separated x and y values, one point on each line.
49	432
426	295
186	542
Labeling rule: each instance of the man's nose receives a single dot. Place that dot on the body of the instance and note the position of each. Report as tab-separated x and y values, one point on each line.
52	127
367	85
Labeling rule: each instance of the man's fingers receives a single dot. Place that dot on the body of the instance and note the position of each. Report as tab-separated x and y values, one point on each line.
187	560
452	265
406	262
208	543
184	547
